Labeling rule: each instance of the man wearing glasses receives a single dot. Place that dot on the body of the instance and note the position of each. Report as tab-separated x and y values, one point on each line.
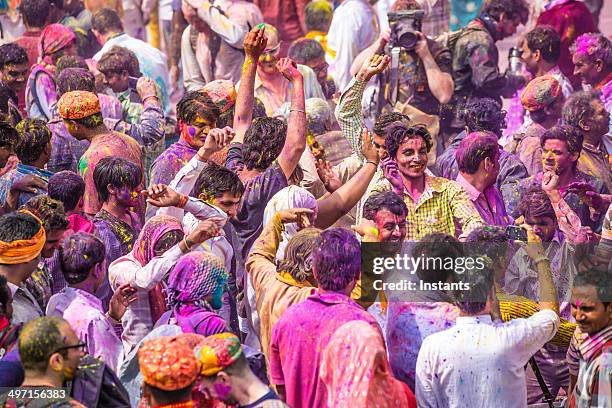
50	352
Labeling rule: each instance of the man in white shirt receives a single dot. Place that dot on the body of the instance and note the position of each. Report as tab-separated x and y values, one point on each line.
108	29
479	363
354	27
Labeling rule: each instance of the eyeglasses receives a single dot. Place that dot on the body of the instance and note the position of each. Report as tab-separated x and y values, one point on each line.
81	346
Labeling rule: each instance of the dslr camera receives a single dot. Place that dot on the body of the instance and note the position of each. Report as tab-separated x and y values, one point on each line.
403	26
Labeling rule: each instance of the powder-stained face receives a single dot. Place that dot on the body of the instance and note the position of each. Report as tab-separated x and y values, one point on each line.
529	59
219	388
15	76
585	69
600	121
228	203
127	196
195	133
391	227
53	241
544	227
556	157
412	157
379	143
270	56
588	310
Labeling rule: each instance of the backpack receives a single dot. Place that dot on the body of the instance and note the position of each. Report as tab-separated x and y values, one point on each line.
96	385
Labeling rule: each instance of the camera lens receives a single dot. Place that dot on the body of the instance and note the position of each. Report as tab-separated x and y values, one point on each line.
408	40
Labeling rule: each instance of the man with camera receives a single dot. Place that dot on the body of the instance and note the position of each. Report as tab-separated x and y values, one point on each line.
423	70
476	58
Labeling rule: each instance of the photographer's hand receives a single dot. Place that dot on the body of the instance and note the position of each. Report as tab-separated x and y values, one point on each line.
421	47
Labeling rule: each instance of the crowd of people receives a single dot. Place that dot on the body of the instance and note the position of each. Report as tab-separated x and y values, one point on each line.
193	195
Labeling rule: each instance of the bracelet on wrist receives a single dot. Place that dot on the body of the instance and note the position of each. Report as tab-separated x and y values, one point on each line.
297	110
187	245
372	162
182	201
146	98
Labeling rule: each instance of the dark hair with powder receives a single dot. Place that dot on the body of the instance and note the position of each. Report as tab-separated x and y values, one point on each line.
8	135
510	8
298	254
433	246
35	12
38	339
118	59
12	53
474	149
318	15
398	133
49	211
17	226
304	50
569	134
75	79
79	254
67	187
387	200
106	20
484	114
535	203
578	107
117	172
387	118
601	280
478	282
196	103
263	142
69	61
546	40
336	259
34	138
215	180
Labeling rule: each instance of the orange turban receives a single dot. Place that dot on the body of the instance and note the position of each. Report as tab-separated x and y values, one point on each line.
168	363
78	105
23	250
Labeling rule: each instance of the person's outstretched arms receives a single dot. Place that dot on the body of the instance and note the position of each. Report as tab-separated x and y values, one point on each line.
296	125
254	44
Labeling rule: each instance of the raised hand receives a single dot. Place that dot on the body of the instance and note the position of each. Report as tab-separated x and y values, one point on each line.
550	181
289	69
121	299
160	195
367	229
327	174
205	230
216	140
255	43
146	88
391	173
373	66
26	184
301	216
369	151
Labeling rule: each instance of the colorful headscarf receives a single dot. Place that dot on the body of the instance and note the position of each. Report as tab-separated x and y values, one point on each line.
540	93
168	364
195	276
288	197
217	352
144	250
367	382
78	105
222	92
52	39
22	250
151	233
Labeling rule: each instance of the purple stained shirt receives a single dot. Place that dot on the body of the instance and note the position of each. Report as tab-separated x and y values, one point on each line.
257	192
299	339
489	203
408	324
